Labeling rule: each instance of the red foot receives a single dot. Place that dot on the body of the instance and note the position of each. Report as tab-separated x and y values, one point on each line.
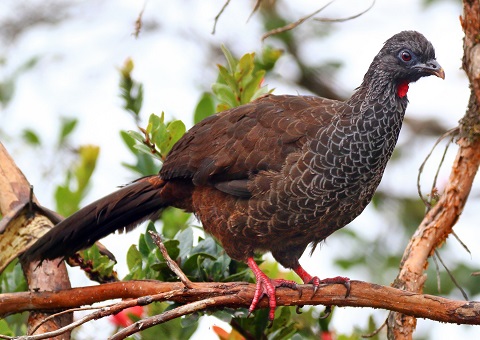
266	286
307	278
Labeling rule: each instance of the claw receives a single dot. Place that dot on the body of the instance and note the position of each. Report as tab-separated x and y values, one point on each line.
308	279
298	309
266	286
345	281
327	311
347	286
316	283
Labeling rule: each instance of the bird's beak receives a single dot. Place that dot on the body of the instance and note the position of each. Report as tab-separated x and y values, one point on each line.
432	67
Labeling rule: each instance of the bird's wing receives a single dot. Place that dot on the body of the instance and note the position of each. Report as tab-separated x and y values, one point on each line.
226	149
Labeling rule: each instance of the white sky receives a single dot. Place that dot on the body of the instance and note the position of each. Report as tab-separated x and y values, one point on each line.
77	76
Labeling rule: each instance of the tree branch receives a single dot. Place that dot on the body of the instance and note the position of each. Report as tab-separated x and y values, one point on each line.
240	295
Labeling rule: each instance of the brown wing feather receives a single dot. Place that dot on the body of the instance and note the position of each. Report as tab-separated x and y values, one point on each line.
240	142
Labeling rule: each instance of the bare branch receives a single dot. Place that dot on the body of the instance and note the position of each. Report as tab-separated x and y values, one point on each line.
294	24
362	295
255	9
171	314
452	132
218	15
347	18
170	263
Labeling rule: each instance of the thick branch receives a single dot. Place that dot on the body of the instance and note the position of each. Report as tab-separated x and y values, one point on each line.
240	295
439	221
22	219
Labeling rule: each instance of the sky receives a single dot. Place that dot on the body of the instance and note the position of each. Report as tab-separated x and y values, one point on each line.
77	76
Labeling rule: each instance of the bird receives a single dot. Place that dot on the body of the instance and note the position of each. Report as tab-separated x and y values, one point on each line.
275	175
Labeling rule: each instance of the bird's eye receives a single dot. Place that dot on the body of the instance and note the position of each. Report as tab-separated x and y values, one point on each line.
406	56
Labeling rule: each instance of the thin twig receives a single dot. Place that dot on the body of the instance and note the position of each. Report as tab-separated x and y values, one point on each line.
255	8
461	242
169	315
71	310
218	15
435	178
294	24
347	18
455	282
452	132
139	21
375	332
437	273
103	312
170	263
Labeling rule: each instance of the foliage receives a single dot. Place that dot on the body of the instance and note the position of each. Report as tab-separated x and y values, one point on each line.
7	84
69	195
97	267
159	137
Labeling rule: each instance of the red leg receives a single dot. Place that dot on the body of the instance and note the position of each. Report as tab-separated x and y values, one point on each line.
307	278
266	286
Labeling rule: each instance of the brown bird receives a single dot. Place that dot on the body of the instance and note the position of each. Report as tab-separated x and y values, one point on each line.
275	175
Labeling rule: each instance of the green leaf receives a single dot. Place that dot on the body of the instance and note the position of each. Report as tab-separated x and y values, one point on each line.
88	161
193	264
136	136
12	278
190	320
185	237
174	131
252	87
145	149
205	108
225	78
208	246
148	238
131	91
174	220
142	246
134	257
5	329
269	58
232	62
225	95
101	265
31	137
173	249
66	129
244	68
145	164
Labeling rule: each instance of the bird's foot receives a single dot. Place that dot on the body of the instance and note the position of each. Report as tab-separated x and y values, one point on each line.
308	279
345	281
266	286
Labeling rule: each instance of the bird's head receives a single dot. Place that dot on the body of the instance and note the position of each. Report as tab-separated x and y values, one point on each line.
405	58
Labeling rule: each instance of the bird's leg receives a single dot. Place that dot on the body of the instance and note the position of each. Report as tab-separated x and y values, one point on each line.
266	286
307	279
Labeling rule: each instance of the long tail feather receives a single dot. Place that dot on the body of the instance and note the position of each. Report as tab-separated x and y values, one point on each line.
122	210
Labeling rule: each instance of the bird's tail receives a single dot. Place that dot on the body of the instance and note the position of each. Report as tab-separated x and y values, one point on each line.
122	210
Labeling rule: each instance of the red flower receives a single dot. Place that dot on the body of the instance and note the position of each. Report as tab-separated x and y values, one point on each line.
123	319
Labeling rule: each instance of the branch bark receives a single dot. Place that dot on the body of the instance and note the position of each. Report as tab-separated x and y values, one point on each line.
240	295
438	223
22	219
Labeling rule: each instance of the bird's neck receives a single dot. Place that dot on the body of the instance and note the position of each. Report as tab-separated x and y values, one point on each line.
378	89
